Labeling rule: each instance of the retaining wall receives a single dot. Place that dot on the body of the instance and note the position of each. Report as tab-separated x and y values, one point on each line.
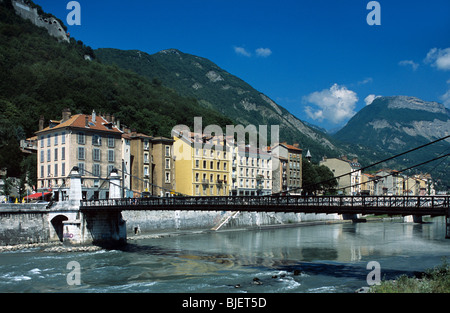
151	221
23	223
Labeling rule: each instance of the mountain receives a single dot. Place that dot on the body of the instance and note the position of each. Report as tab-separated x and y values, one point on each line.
399	123
41	74
215	88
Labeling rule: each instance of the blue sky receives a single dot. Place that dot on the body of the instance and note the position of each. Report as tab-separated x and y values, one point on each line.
318	59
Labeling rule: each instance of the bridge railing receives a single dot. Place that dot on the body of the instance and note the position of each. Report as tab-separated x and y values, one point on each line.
282	201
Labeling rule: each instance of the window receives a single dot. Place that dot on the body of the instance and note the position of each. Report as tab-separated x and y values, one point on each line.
48	141
81	168
42	141
110	168
56	139
167	150
81	154
96	154
42	156
197	163
56	154
63	153
48	155
63	137
56	170
96	140
63	169
42	171
211	165
111	141
204	164
81	139
167	163
196	177
49	170
167	177
110	155
96	170
145	170
197	191
224	166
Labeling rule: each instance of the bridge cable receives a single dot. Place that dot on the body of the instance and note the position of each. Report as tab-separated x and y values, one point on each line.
366	167
400	171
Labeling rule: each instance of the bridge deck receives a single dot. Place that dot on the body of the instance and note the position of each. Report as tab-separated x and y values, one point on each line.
390	205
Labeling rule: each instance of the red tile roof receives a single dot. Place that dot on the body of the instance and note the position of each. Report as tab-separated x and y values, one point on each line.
79	121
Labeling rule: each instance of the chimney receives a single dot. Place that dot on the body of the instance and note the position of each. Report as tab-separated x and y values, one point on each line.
296	145
66	114
93	116
41	123
108	117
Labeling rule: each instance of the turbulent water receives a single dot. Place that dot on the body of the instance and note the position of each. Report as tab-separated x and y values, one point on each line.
313	259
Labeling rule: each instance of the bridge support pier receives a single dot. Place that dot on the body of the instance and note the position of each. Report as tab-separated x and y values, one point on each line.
105	228
413	219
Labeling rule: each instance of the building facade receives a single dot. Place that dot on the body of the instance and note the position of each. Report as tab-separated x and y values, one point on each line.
201	169
287	168
90	142
152	169
347	172
251	172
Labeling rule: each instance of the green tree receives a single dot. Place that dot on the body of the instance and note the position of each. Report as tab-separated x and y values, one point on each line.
317	178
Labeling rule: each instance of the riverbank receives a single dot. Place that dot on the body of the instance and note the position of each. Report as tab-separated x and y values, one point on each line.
161	233
435	280
49	247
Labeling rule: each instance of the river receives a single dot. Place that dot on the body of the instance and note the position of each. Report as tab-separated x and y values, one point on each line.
329	258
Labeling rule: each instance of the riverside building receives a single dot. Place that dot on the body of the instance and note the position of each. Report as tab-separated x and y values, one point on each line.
90	142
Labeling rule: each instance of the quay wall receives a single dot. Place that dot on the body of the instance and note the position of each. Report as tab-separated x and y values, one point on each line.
23	224
154	221
32	223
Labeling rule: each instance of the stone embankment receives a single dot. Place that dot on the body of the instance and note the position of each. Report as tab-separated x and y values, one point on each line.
49	247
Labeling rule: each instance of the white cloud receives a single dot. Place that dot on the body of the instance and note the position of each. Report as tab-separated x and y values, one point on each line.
263	52
439	58
335	104
446	99
365	81
369	99
411	63
446	96
242	51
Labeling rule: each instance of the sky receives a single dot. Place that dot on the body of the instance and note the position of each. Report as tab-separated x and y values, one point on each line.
322	60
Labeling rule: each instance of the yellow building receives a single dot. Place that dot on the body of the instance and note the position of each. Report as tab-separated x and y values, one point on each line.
202	168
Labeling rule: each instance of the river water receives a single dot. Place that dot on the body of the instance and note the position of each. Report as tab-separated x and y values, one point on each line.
329	258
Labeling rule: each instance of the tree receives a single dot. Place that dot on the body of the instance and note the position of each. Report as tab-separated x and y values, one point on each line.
317	178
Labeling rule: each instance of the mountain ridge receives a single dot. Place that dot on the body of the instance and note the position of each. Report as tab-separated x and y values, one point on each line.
214	87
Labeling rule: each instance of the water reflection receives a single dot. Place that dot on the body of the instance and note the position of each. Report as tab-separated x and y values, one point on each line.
325	257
